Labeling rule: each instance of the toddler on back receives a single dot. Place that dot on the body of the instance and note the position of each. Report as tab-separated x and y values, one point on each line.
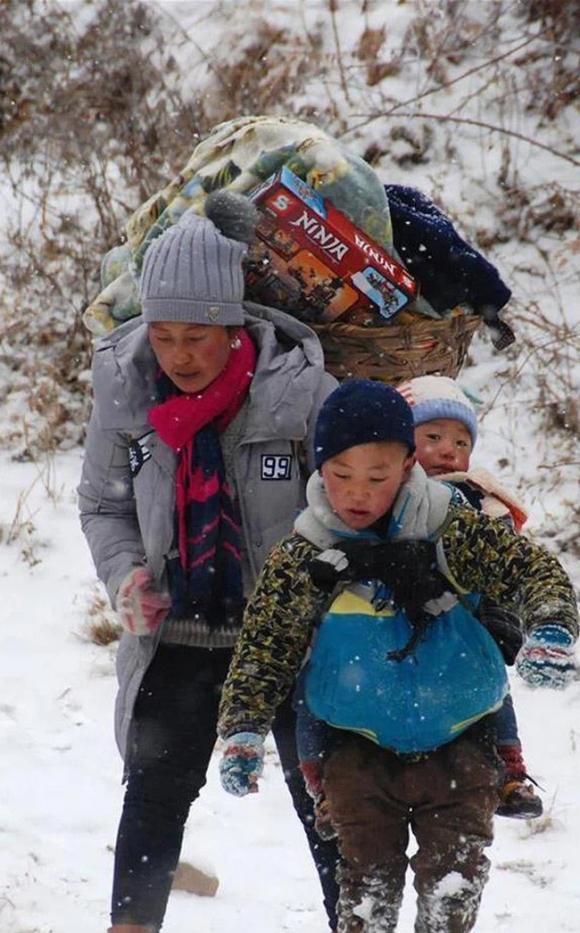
445	435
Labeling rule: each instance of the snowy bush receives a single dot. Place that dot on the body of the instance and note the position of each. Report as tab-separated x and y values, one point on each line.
101	103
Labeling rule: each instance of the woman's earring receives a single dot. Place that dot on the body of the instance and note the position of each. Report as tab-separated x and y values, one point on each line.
236	343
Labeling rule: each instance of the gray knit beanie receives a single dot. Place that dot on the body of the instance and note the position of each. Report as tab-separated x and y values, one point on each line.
193	272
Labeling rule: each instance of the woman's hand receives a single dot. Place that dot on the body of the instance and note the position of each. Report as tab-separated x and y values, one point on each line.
140	608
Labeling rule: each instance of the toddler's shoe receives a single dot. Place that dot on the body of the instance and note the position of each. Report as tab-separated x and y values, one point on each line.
322	822
519	801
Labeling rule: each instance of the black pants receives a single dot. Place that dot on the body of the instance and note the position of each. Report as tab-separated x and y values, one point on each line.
172	739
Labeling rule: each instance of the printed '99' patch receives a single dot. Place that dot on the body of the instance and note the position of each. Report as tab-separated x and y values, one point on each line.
276	466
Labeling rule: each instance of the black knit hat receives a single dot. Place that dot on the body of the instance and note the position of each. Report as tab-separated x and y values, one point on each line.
361	411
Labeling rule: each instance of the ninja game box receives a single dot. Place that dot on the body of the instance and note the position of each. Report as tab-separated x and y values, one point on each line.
312	261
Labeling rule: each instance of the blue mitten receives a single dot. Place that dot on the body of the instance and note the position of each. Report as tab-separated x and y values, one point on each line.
242	763
547	657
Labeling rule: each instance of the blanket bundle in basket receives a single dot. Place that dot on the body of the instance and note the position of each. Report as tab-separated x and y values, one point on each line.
453	279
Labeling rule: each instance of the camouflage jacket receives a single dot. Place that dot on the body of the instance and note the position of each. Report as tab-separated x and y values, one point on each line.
483	556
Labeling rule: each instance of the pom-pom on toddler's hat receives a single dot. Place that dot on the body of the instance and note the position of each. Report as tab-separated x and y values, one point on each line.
361	411
193	272
436	397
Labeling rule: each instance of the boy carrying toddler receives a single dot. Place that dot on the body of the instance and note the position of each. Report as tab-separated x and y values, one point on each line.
396	663
445	435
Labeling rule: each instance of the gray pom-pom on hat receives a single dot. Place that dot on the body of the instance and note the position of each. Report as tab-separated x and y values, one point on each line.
233	214
193	272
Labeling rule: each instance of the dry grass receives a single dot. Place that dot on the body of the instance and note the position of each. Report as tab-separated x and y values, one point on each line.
545	823
101	626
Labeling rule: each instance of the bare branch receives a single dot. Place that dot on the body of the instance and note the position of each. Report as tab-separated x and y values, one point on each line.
461	77
468	121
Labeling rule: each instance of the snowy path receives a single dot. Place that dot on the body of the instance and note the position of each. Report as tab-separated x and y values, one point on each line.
60	790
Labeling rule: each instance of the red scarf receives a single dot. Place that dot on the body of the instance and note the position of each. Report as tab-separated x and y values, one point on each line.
208	578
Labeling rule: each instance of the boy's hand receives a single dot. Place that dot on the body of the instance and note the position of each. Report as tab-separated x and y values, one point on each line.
242	763
140	608
547	657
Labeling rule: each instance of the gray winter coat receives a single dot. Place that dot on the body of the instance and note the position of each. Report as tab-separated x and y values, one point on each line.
127	490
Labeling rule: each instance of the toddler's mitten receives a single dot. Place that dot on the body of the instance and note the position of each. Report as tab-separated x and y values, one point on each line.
389	560
242	763
409	568
140	608
322	819
547	657
328	568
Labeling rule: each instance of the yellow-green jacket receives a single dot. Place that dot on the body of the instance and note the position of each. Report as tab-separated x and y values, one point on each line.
478	554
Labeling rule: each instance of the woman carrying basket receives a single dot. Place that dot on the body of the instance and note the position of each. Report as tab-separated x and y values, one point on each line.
191	475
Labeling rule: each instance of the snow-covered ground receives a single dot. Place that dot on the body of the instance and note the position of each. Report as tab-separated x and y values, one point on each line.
60	778
60	790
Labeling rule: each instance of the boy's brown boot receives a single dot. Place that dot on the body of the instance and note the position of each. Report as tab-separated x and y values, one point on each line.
517	797
322	822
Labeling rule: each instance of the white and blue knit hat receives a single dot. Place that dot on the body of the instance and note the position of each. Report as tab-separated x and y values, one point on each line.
434	397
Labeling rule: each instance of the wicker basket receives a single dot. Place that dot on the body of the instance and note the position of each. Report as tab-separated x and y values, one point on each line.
400	351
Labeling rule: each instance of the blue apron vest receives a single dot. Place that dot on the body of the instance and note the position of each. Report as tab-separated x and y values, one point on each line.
454	677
